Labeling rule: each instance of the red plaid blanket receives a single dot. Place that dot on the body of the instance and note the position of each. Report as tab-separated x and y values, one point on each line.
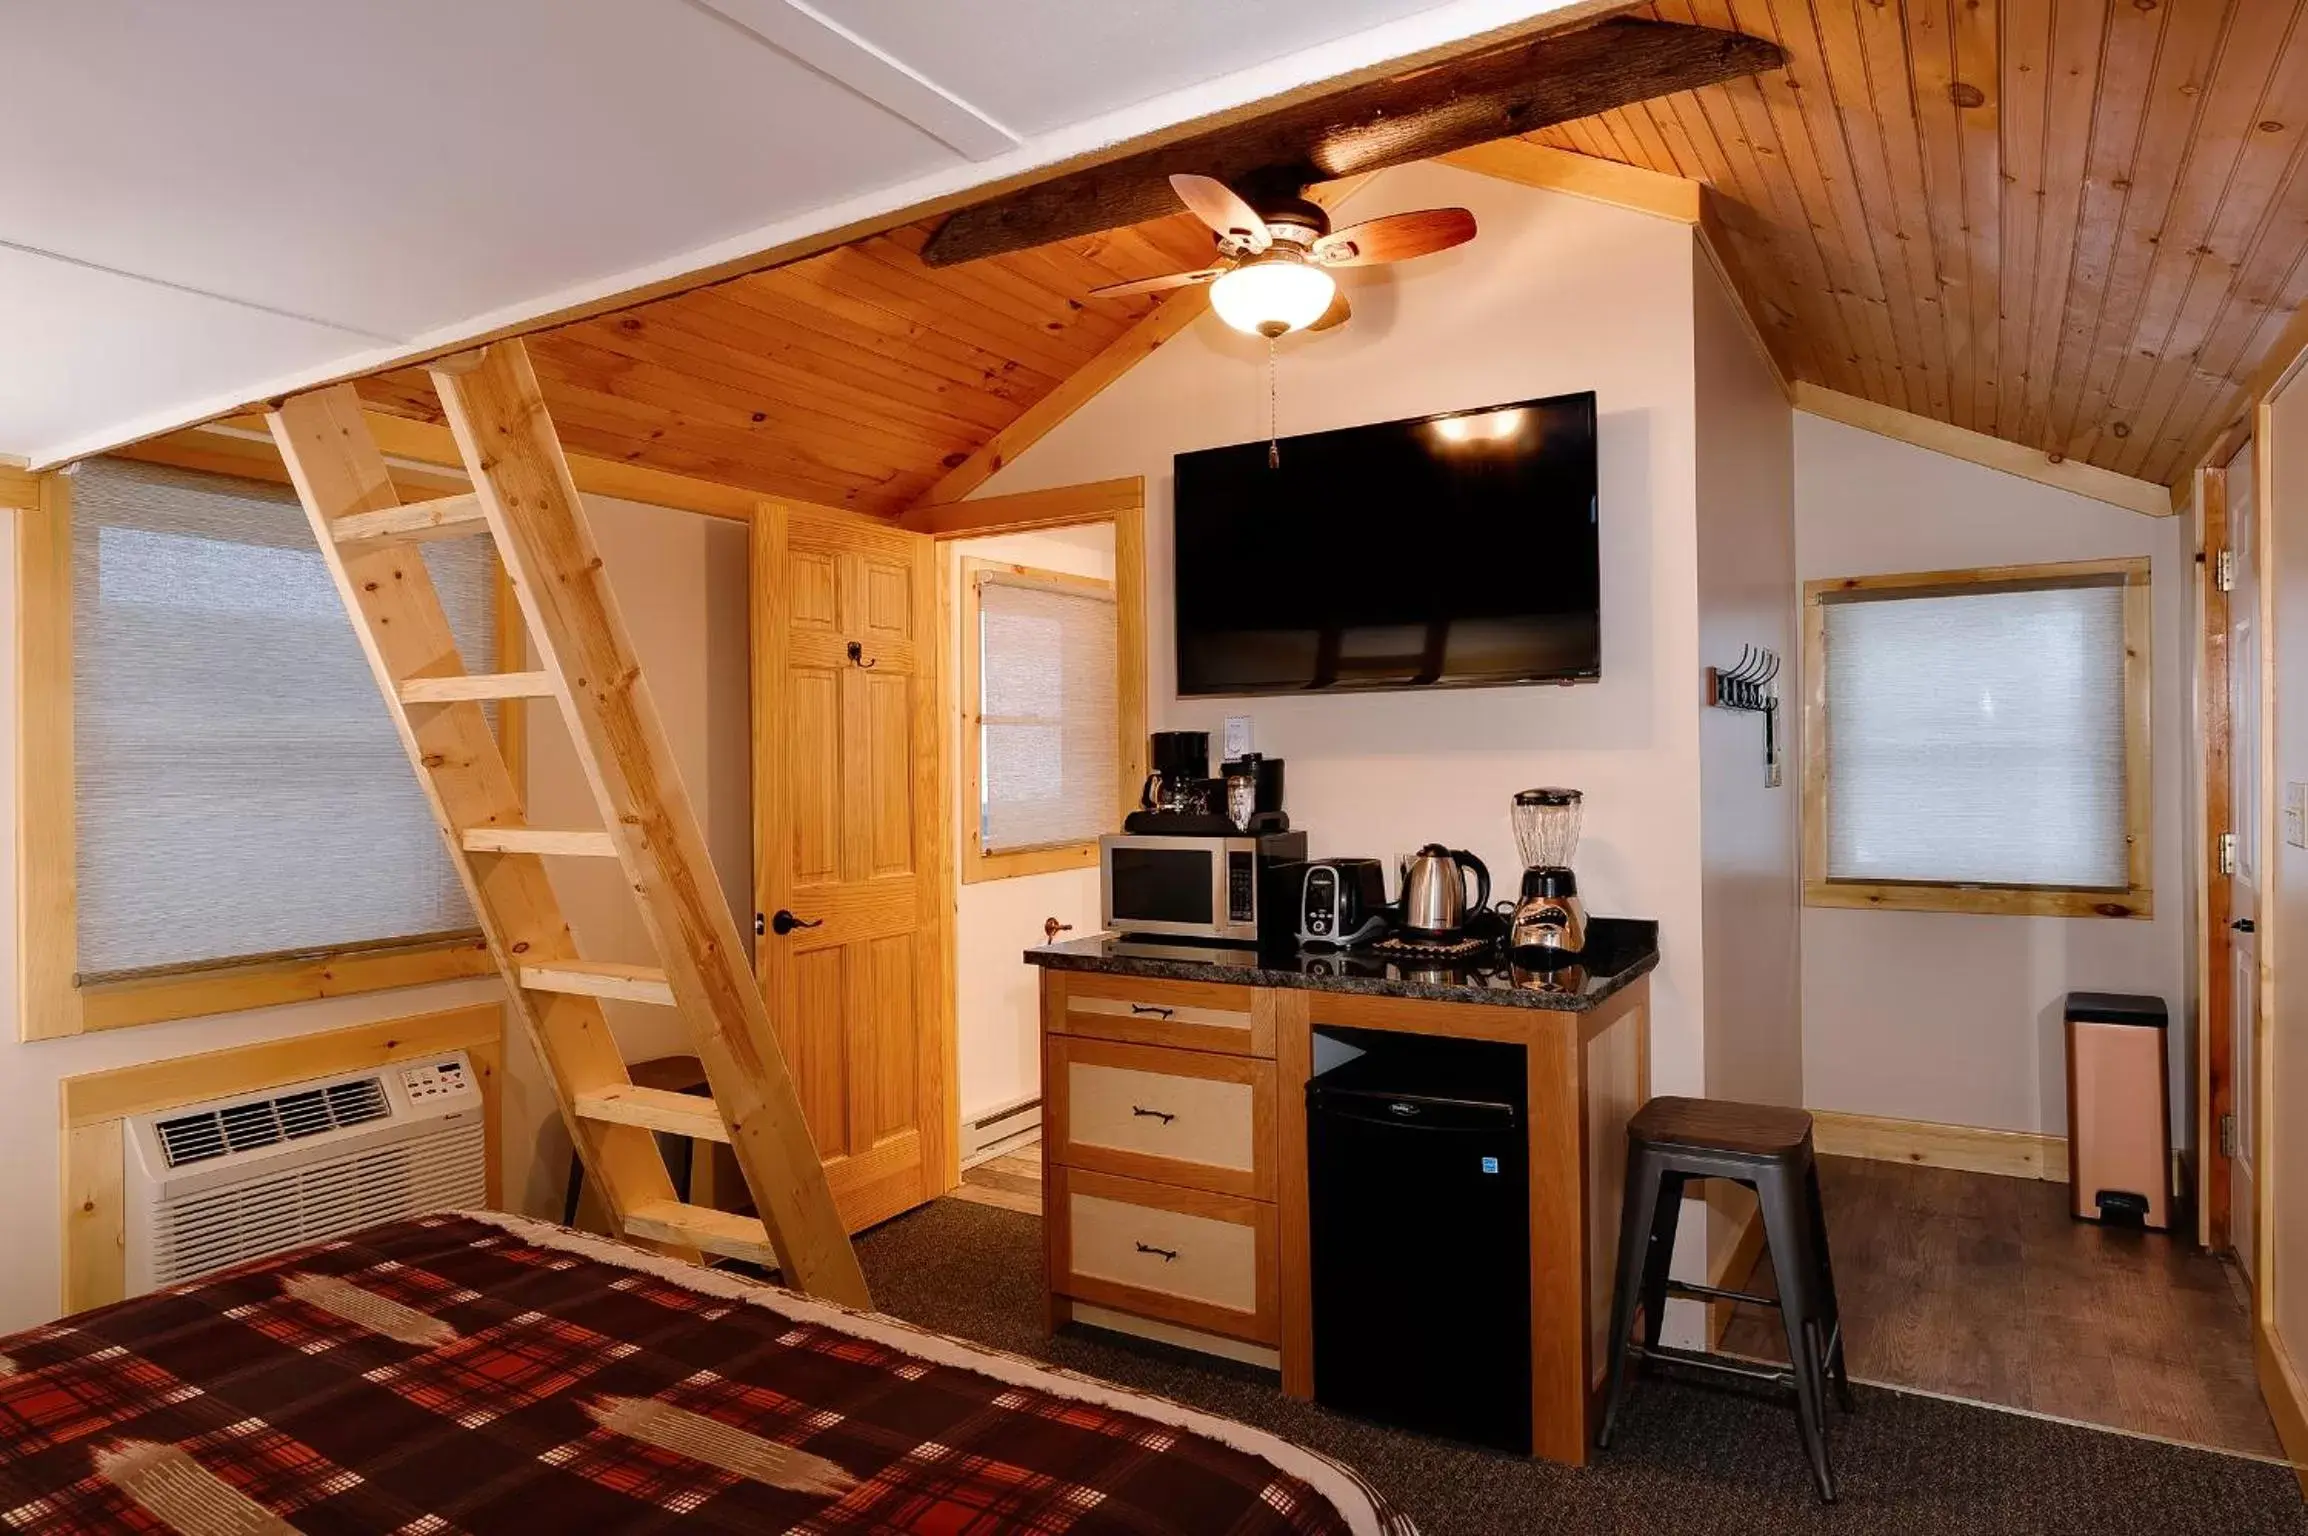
486	1375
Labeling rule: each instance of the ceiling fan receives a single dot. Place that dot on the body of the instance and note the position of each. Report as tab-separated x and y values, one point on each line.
1272	275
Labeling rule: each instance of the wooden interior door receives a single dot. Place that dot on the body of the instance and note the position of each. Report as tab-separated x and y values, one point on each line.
853	935
2245	659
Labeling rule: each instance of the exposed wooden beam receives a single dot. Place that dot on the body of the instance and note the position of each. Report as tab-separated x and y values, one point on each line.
1122	354
424	463
1602	181
19	489
1057	508
2106	485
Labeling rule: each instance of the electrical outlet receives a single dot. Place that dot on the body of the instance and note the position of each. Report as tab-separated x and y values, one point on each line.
2296	815
1237	737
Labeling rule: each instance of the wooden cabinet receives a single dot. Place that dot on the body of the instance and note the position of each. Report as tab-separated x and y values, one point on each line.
1159	1154
1174	1164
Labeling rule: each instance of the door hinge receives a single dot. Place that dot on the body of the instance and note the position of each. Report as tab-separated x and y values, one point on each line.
2228	1136
2227	853
2224	571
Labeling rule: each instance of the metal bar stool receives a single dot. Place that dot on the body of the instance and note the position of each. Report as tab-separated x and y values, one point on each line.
1670	1143
669	1074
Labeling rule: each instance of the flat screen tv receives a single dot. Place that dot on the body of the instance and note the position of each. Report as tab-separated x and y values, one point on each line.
1450	551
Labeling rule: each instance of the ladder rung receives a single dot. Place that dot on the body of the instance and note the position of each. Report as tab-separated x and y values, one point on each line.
654	1109
575	842
732	1237
444	517
477	685
600	978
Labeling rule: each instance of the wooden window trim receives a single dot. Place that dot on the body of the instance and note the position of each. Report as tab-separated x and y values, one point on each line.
2136	900
977	863
50	1003
95	1269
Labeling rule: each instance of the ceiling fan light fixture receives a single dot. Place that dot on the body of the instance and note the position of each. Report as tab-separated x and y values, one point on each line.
1272	297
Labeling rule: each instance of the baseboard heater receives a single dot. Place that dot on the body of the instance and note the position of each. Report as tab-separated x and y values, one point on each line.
995	1132
218	1183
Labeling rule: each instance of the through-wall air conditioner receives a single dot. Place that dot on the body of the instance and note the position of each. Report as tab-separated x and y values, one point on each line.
215	1184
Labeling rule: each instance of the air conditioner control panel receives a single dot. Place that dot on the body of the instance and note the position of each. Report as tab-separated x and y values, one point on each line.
449	1077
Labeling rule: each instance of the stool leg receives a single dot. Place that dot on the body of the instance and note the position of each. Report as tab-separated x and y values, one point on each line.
1659	1259
576	1188
1784	1227
1637	1208
1833	1326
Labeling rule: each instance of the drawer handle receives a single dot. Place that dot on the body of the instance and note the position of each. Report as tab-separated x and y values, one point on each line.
1162	1115
1168	1254
1146	1008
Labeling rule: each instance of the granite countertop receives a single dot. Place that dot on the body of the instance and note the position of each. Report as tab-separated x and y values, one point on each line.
1619	949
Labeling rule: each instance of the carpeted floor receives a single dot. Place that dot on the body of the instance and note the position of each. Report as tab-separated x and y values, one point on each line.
1691	1461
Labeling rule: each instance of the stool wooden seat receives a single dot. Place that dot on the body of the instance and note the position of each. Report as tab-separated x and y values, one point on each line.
667	1074
1674	1141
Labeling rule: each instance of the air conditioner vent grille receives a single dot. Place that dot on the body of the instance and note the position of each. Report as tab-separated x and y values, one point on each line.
213	1133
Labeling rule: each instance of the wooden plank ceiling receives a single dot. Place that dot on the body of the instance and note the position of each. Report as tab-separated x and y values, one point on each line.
2073	224
853	379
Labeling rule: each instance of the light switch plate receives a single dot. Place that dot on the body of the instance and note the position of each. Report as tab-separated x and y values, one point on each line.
2296	815
1237	736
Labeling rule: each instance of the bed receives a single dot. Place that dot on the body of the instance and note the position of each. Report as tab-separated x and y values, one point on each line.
483	1374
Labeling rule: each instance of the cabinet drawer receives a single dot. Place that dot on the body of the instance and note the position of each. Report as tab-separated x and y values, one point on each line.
1179	1255
1191	1118
1196	1015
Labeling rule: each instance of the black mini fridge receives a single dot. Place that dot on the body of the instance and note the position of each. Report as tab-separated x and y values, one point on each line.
1418	1170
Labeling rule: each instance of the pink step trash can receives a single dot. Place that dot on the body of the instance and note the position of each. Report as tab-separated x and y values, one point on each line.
2119	1110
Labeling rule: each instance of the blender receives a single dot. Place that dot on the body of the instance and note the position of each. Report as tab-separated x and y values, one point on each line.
1549	921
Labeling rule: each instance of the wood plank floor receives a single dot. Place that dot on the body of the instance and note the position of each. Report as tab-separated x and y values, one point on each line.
1012	1181
1983	1287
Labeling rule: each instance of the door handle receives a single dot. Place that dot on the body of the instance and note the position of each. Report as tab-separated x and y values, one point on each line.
785	922
2244	925
1051	928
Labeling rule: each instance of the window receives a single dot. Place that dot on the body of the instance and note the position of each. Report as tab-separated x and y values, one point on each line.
1979	741
1040	715
242	824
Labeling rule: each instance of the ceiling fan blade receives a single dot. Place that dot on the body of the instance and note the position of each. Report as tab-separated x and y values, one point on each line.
1396	237
1156	284
1338	314
1517	88
1222	208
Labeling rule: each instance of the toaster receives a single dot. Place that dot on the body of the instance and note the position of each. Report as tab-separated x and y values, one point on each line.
1342	902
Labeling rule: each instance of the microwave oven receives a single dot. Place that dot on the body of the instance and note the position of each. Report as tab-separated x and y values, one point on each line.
1189	887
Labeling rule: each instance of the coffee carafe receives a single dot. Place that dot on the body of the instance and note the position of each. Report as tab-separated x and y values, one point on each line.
1550	920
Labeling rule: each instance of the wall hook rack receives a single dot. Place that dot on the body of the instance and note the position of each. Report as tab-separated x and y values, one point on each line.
1751	688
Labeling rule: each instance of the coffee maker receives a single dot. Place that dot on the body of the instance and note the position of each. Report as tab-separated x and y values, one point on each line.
1180	782
1550	922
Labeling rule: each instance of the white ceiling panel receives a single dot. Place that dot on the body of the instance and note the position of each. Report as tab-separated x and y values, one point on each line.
415	172
395	167
1034	65
85	345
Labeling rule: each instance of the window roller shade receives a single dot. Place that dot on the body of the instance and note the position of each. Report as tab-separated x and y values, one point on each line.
241	789
1978	738
1047	715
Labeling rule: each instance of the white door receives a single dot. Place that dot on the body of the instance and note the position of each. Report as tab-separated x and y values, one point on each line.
2244	662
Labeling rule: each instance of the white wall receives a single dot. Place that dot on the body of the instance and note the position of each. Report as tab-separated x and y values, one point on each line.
1555	295
997	1013
1955	1017
680	581
1749	882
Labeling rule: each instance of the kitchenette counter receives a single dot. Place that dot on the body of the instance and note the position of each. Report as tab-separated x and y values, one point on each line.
1175	1138
1619	950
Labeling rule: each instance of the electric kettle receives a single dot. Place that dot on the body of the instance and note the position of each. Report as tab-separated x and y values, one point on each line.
1434	893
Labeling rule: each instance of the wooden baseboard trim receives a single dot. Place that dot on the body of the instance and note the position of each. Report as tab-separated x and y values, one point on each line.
2287	1399
1969	1148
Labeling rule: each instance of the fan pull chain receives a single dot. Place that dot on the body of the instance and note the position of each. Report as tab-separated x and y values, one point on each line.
1273	393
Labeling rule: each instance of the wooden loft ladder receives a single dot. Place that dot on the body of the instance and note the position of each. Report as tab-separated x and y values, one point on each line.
524	499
